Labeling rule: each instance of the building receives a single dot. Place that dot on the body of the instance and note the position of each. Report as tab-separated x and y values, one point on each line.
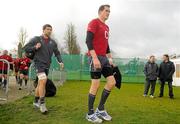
176	77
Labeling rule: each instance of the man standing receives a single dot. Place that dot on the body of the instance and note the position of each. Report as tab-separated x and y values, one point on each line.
100	60
16	69
151	73
4	68
43	47
166	72
24	64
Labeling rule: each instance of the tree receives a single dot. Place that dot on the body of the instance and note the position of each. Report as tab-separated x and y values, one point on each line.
60	47
22	36
20	51
70	38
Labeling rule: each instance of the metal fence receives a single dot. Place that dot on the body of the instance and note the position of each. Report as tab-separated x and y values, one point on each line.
5	66
77	68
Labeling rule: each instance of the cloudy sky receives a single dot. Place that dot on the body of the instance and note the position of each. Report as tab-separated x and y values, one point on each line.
137	27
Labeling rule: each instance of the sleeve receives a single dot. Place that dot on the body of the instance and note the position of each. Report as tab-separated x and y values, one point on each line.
159	72
108	50
145	70
29	62
89	40
20	60
172	70
92	26
57	53
30	46
10	59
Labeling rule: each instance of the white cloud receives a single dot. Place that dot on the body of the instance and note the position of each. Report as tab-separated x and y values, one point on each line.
138	27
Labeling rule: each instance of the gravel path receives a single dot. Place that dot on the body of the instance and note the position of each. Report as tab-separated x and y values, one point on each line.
14	92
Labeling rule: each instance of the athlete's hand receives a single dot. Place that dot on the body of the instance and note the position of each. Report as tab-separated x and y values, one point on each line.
61	65
96	63
37	46
111	62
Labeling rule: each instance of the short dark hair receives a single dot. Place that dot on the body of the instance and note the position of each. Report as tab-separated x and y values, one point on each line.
101	8
46	25
166	55
151	56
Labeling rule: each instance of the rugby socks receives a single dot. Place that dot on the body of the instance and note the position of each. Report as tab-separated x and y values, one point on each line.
42	100
25	82
0	80
16	78
20	82
5	82
91	99
36	99
104	97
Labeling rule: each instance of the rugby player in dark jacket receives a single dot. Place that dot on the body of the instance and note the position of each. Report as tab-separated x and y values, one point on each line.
44	47
166	72
151	73
100	61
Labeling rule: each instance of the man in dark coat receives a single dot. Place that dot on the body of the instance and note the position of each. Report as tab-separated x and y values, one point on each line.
151	73
166	72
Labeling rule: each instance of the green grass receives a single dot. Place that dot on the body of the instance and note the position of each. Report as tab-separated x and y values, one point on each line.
69	106
84	76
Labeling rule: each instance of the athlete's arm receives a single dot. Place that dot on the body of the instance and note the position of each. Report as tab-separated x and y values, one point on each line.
32	45
10	60
89	42
29	63
109	55
108	52
58	55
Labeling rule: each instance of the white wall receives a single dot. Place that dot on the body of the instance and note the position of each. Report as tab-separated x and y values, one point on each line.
176	80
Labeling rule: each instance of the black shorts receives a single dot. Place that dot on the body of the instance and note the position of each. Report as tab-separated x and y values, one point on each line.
3	71
106	69
41	68
24	72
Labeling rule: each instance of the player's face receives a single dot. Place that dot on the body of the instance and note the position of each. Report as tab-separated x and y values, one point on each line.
105	13
165	58
152	59
47	31
5	52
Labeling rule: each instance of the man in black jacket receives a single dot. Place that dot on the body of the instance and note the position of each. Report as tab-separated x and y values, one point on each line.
166	72
151	73
43	47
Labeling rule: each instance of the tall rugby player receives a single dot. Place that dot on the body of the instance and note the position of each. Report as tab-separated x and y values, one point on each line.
100	60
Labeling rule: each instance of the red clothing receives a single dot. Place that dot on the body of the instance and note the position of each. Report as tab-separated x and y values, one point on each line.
4	66
46	40
24	63
16	63
101	36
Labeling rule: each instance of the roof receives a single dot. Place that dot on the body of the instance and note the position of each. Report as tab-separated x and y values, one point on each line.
176	60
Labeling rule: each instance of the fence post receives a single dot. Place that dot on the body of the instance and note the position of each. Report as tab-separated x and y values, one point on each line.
7	84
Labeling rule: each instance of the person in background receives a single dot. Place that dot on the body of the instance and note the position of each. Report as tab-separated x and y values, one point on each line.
11	64
166	72
16	69
4	68
151	73
24	64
